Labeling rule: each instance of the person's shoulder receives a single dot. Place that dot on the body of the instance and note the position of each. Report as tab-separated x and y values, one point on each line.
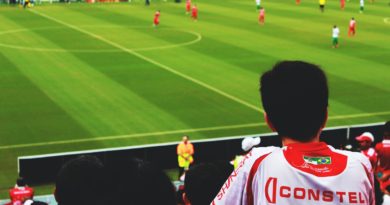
354	157
260	151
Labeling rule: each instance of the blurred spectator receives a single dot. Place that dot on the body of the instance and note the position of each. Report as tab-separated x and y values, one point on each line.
137	182
81	181
305	171
365	141
202	183
246	145
383	149
185	152
20	193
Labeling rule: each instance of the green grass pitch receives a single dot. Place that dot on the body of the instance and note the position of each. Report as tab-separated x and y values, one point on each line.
84	76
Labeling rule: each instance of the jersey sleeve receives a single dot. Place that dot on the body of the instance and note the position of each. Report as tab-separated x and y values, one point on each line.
233	191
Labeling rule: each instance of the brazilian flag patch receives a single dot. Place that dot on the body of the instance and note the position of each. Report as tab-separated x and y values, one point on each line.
317	160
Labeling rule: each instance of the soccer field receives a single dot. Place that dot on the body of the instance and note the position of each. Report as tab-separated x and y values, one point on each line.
80	76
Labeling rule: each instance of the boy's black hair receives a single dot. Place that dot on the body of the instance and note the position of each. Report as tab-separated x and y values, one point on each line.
295	97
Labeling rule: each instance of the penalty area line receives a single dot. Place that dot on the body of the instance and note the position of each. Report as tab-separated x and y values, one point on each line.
165	67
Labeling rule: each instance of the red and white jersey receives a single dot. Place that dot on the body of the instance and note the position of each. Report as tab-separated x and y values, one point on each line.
371	154
262	12
299	174
20	194
352	24
383	150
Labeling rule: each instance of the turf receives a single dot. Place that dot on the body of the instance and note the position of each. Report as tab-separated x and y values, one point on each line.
79	74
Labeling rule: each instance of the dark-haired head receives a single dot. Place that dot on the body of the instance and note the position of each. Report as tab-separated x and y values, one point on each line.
135	181
20	182
295	98
203	181
81	181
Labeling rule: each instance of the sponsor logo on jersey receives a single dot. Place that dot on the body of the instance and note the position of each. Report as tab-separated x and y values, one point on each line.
275	192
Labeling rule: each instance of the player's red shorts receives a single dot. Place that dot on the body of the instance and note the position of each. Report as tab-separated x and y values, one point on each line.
352	29
156	21
195	15
261	18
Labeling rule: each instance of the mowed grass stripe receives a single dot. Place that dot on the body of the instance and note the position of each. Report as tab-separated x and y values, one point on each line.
186	131
27	113
383	99
313	30
182	109
268	41
154	62
90	98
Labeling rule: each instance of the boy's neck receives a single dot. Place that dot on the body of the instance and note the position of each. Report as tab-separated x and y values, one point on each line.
287	140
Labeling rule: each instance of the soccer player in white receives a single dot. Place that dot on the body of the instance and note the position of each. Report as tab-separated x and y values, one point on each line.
304	171
258	2
335	36
361	6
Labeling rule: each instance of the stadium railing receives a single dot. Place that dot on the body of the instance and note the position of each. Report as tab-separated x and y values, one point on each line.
44	168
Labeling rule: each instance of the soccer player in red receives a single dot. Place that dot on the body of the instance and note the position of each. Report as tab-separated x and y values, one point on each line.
194	14
261	16
297	2
156	21
352	27
342	4
383	170
188	6
20	193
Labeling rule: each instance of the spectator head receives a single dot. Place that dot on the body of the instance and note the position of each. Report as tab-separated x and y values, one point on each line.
135	181
365	140
20	182
295	99
185	138
202	183
81	181
386	133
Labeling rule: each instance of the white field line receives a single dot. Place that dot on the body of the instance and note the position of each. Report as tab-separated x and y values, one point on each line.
183	131
56	50
137	135
165	67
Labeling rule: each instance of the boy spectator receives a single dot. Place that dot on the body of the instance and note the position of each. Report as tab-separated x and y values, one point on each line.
305	171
